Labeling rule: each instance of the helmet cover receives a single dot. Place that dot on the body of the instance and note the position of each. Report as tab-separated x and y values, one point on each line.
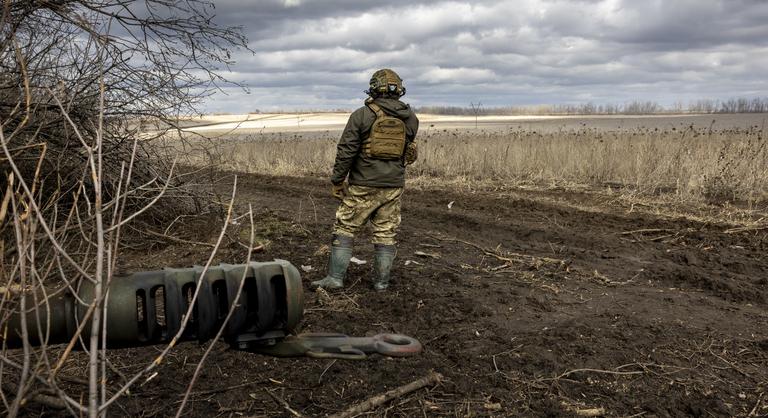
386	81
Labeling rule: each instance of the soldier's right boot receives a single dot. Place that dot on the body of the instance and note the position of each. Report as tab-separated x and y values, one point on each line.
341	252
382	266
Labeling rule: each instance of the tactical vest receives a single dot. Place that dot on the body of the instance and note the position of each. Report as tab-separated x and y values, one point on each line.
387	138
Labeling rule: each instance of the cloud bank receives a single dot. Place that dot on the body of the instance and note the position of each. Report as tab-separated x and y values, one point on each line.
313	54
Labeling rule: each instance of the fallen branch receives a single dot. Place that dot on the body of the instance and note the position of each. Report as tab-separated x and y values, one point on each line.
39	398
745	374
284	404
49	401
641	231
570	372
508	257
226	389
589	412
659	238
176	239
431	379
593	412
746	229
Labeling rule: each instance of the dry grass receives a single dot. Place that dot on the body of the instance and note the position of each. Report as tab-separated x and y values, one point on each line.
696	164
714	166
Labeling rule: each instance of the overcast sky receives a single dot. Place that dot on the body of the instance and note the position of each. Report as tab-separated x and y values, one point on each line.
319	54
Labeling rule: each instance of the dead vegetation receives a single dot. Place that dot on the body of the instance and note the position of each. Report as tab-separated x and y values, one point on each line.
79	179
697	164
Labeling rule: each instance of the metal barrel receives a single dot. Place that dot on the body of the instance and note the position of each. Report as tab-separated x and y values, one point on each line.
147	308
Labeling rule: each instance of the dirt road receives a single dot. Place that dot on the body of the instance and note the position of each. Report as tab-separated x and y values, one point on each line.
546	309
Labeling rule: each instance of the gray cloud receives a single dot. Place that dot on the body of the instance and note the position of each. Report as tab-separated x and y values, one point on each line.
320	54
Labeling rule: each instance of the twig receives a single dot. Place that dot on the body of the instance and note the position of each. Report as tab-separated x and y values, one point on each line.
226	389
63	396
370	403
570	372
753	412
39	213
49	401
746	229
507	257
75	338
659	238
745	374
40	398
148	205
17	402
591	412
159	359
314	208
176	239
641	231
284	404
6	198
100	289
225	323
320	379
351	300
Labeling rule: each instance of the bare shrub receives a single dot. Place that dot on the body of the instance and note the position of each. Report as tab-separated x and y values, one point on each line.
147	61
79	82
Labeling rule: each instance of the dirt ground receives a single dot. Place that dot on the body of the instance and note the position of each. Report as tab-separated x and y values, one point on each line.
548	308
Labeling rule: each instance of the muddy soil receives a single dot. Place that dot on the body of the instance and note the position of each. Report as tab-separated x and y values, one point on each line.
525	306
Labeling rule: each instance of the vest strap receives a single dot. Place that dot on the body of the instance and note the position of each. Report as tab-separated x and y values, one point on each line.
376	109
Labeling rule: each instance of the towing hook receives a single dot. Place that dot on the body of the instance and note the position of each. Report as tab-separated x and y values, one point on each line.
340	346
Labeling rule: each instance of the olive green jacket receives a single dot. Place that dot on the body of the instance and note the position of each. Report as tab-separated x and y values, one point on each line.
360	170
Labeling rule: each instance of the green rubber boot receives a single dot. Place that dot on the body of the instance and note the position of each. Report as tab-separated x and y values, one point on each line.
341	252
385	256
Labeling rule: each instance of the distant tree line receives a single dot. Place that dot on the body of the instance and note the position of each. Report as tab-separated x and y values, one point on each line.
737	105
740	105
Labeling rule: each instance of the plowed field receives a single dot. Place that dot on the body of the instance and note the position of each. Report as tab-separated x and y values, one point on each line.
530	303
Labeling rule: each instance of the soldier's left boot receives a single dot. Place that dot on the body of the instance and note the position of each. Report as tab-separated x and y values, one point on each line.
382	265
341	253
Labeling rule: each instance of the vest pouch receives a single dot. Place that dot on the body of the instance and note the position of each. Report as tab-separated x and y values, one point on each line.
387	138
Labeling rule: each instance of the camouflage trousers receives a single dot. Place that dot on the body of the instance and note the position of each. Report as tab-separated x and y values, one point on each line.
379	205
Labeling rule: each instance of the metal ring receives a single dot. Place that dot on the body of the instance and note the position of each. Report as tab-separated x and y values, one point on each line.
397	345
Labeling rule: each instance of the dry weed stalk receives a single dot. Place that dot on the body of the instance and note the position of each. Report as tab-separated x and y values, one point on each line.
694	164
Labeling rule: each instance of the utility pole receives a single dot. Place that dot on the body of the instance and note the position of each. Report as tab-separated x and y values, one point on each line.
476	108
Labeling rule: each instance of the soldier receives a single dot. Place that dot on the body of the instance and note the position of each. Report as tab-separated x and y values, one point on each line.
376	145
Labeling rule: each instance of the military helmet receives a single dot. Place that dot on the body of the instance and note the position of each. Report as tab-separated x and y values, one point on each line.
386	81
